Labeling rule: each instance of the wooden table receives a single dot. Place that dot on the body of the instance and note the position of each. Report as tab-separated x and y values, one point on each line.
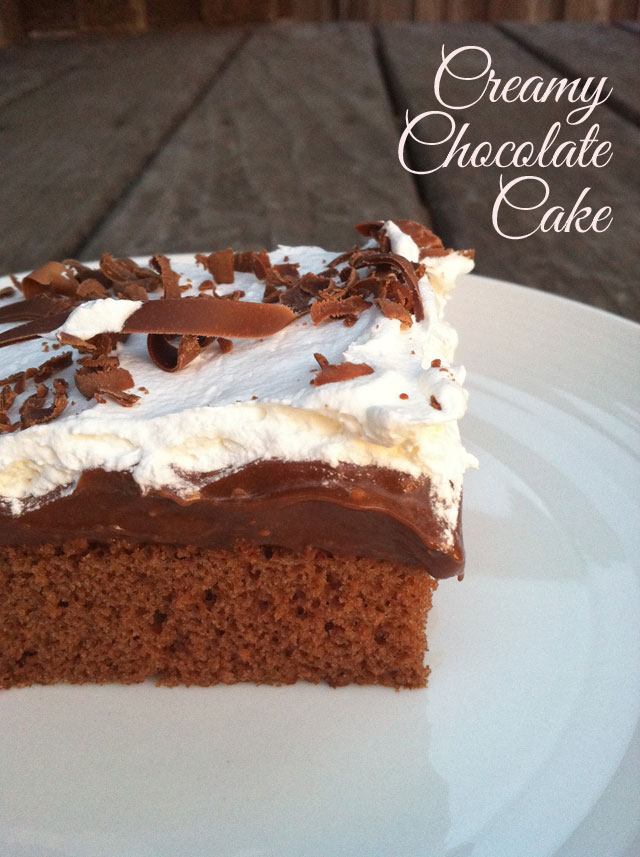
187	141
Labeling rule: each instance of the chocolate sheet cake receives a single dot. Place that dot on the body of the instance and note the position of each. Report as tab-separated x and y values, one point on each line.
246	467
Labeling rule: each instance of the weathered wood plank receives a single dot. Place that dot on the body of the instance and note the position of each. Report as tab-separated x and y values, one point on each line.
585	50
430	10
526	10
467	10
71	147
294	144
587	10
595	268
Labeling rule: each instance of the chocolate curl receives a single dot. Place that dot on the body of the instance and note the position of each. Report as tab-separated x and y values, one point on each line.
200	321
33	329
207	317
171	359
423	237
39	306
33	412
373	259
375	229
52	277
168	276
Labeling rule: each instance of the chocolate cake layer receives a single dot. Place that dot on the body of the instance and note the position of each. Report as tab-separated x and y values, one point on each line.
81	612
348	511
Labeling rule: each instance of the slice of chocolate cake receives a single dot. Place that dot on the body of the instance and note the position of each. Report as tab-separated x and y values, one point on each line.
242	468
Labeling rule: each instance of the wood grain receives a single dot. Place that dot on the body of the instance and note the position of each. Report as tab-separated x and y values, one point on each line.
587	10
527	10
71	147
595	268
293	144
585	50
467	10
430	10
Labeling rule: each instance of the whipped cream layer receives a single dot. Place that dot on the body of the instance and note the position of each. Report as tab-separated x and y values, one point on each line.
225	411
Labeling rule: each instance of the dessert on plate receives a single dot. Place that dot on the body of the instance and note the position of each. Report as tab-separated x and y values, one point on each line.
236	467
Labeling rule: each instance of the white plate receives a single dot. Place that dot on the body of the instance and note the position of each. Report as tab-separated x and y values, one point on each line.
527	740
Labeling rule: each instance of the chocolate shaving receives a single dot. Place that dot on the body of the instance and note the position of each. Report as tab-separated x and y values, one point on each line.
205	317
7	292
331	373
97	382
100	344
168	276
16	378
296	299
7	398
392	309
346	256
92	289
84	272
220	264
349	276
33	329
252	263
52	277
313	284
124	273
50	367
171	359
284	275
371	258
125	400
375	229
423	237
32	410
338	308
271	294
39	306
329	272
131	291
119	270
226	345
207	285
435	403
374	286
